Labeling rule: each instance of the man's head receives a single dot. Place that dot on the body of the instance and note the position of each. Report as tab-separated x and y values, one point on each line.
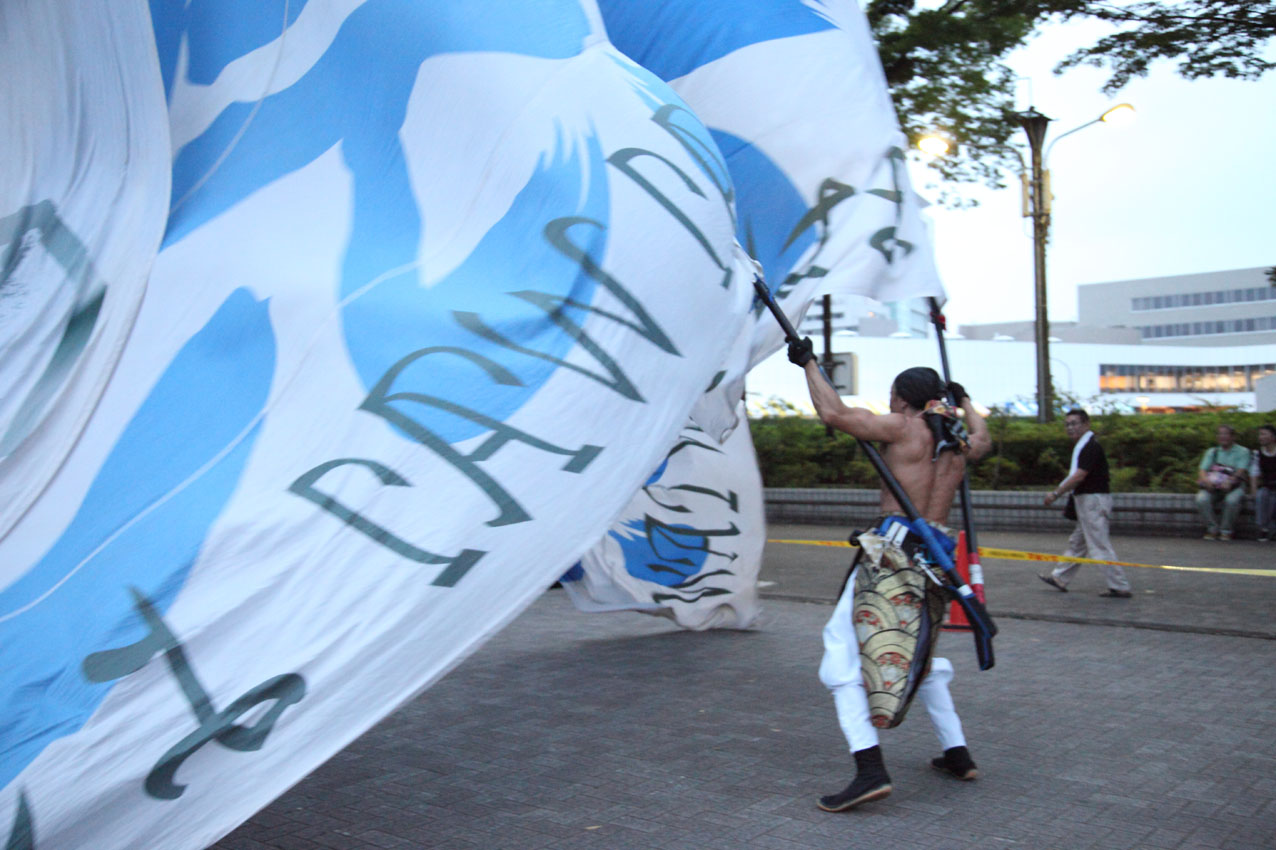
914	387
1226	436
1267	435
1075	423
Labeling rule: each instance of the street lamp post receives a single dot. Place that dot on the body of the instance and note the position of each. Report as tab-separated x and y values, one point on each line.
1036	178
1034	126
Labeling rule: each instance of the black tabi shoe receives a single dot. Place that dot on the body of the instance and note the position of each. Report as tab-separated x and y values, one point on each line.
956	761
871	783
864	789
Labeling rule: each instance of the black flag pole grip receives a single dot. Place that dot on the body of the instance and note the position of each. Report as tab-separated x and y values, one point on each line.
982	626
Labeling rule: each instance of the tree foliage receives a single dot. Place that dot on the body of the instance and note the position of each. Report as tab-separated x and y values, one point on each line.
945	67
1208	38
945	72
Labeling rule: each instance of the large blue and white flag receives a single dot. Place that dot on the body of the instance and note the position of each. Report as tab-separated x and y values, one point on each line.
794	95
439	284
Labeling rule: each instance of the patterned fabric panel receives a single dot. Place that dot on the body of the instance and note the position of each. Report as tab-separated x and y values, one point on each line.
897	612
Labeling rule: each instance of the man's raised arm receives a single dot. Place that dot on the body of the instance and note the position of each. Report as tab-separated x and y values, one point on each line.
856	421
980	440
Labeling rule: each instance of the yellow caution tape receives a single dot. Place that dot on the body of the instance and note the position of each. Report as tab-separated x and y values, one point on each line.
1015	555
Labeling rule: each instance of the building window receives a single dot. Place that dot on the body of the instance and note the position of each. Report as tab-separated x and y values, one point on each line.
1208	328
1199	299
1122	378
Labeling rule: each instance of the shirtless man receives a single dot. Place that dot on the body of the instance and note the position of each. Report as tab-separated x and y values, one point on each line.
930	483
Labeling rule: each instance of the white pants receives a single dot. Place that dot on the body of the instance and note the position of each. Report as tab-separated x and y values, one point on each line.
840	673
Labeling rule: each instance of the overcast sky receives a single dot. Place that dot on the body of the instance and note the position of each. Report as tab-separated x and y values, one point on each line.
1187	186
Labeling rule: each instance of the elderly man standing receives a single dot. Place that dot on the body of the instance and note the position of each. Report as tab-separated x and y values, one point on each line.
1221	478
1087	485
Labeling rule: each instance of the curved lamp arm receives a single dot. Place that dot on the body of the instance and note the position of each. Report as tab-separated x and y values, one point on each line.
1118	109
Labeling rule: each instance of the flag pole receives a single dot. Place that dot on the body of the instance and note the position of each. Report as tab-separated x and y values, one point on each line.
967	510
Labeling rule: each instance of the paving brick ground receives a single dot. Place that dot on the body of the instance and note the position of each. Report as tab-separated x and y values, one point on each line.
612	732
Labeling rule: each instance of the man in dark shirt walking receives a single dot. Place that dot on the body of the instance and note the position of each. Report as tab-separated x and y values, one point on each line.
1087	485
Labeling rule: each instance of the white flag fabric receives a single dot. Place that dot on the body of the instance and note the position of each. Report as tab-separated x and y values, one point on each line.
83	196
794	95
438	287
689	546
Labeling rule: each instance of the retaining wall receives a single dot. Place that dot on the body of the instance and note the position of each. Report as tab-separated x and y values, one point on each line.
1171	514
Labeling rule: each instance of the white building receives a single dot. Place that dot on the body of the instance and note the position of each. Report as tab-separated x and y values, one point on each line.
1002	373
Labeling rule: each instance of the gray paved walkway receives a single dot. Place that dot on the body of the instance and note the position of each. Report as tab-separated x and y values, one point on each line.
611	732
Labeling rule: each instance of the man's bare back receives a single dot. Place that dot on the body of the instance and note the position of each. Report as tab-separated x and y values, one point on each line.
909	442
930	484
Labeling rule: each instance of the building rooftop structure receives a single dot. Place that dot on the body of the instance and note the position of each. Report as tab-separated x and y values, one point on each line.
1233	307
1059	332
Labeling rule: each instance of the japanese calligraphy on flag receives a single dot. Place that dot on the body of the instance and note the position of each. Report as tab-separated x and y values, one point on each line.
794	95
427	308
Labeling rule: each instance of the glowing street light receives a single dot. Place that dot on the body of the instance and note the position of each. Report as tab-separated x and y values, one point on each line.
1119	114
933	144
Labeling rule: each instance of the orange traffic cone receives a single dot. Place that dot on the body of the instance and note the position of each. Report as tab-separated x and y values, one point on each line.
972	573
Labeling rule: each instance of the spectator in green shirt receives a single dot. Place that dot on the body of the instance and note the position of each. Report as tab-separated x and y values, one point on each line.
1223	471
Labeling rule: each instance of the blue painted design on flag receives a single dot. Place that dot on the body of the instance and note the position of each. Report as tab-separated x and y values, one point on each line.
577	572
189	442
769	205
355	94
399	315
668	557
655	476
672	39
168	19
339	101
241	27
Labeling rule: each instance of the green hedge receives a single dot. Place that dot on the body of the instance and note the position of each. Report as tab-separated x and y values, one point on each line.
1152	452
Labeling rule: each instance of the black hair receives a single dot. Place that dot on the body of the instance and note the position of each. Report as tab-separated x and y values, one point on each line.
1270	428
918	385
1230	429
1076	411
